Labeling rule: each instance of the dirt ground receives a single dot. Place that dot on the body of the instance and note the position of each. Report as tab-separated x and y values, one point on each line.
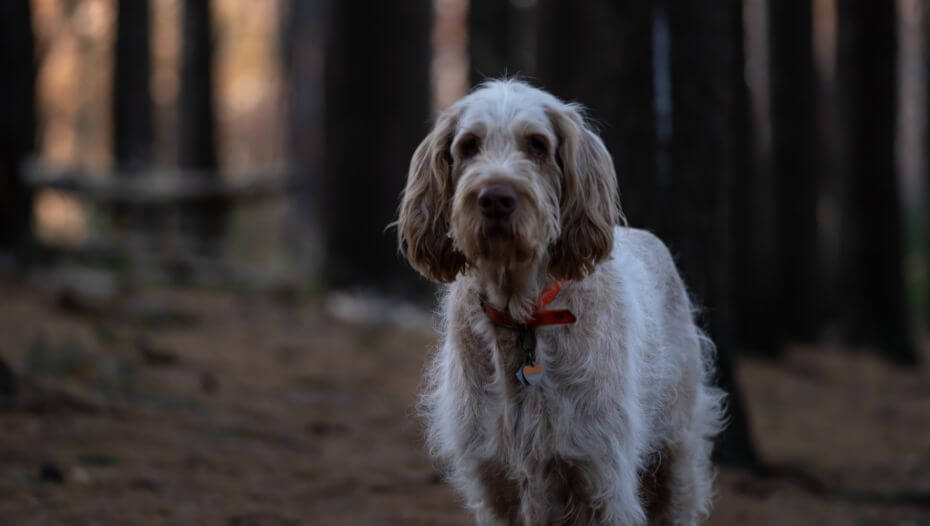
207	407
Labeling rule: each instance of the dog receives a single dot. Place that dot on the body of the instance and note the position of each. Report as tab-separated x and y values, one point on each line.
571	384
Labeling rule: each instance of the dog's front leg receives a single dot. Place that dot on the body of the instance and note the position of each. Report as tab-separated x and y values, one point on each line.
620	502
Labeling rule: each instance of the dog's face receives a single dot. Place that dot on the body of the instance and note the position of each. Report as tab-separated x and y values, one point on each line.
508	177
504	169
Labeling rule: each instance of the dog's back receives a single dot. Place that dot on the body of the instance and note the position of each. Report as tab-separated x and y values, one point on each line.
683	408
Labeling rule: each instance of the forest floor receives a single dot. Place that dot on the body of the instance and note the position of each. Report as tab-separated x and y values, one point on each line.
193	407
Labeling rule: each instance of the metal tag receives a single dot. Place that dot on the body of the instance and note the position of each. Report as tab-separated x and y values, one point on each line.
530	375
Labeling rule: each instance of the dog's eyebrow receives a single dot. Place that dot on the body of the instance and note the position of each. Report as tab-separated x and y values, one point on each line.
474	126
525	126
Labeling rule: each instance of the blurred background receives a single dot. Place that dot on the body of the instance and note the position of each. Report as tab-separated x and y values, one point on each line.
204	318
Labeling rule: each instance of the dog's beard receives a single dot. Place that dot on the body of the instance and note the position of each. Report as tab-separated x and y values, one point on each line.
513	244
503	244
505	254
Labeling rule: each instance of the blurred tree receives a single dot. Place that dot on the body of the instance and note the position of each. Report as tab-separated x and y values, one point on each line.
794	137
707	81
871	302
755	269
17	143
600	53
133	132
132	99
377	86
17	125
925	31
197	121
501	39
304	31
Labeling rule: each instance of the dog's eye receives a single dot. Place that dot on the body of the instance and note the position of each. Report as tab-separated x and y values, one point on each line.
537	146
468	147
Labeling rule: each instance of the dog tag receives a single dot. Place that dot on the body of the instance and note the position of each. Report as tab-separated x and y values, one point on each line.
530	375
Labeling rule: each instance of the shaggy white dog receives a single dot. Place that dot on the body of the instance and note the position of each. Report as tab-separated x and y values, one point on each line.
597	410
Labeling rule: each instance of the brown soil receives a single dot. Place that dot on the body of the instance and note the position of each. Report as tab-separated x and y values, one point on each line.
205	407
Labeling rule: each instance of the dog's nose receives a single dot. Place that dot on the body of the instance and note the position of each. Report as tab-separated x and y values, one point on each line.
497	201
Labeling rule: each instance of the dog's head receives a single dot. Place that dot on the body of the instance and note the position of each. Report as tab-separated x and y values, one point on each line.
509	176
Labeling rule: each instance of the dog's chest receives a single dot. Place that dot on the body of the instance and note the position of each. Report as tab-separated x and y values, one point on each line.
525	419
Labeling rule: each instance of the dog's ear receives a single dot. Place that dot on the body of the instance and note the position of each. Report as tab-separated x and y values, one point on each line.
425	207
590	206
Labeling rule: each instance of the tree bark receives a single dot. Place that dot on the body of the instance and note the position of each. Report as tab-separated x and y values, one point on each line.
17	125
872	304
197	121
755	267
132	99
925	31
196	139
133	132
600	54
706	73
377	111
792	83
305	29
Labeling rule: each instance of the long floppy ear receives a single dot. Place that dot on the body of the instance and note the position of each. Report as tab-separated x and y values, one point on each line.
590	206
425	207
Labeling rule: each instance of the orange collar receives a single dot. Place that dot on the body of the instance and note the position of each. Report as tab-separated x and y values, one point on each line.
540	317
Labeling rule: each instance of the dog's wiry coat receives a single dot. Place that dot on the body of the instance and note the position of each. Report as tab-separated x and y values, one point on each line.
620	428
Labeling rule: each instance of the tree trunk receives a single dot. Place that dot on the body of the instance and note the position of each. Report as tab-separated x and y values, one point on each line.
132	100
377	111
197	121
133	132
600	54
755	268
925	31
794	137
501	40
17	126
872	303
304	30
17	142
706	73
